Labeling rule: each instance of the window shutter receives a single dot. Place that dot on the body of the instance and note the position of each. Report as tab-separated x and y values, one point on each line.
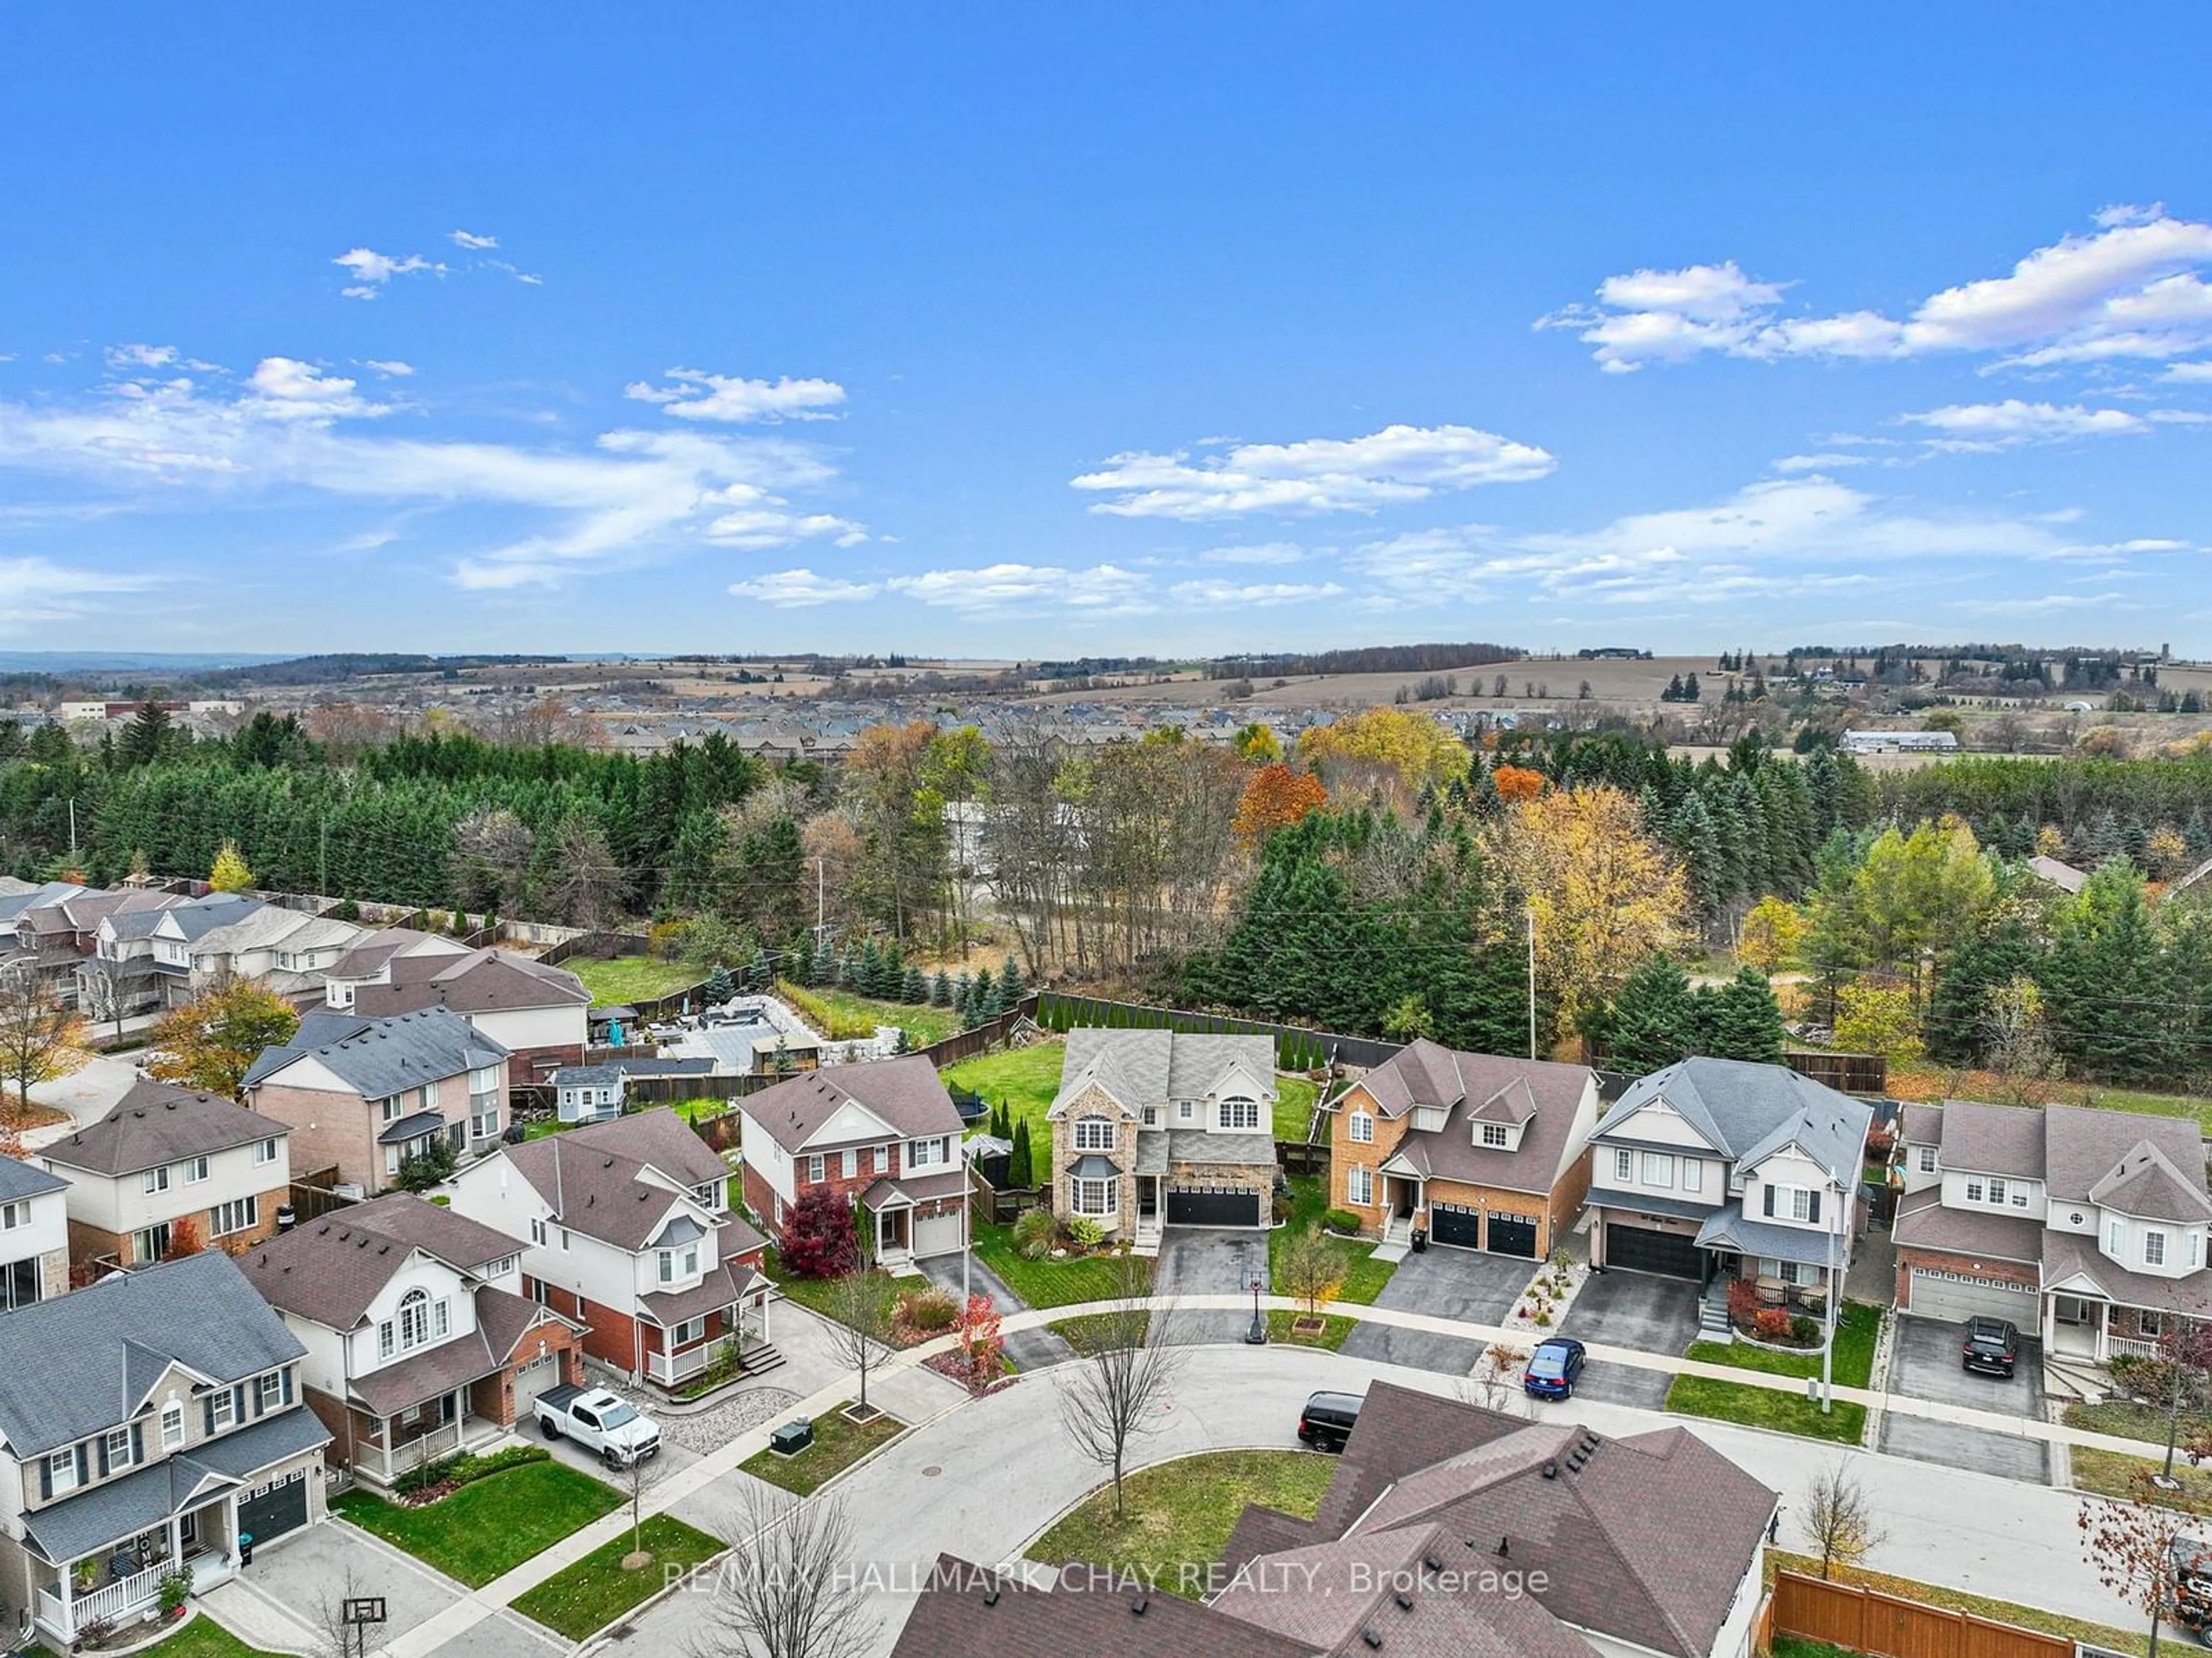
288	1386
1815	1215
46	1479
1770	1199
83	1467
256	1391
238	1407
138	1442
103	1449
207	1412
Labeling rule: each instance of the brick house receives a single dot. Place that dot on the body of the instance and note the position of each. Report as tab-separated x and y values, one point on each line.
35	1239
1482	1152
883	1135
625	1227
366	1093
419	1339
2091	1229
1157	1128
164	1153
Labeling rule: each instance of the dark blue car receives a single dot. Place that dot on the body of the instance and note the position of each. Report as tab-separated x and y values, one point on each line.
1552	1369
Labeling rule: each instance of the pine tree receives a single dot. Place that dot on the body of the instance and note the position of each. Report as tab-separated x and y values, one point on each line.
915	987
868	977
963	998
985	1006
1740	1020
719	988
1011	987
1020	1173
940	989
1654	1018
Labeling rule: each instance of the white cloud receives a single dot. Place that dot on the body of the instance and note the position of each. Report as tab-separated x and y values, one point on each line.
1000	589
36	589
792	590
1819	463
371	270
1396	465
1263	552
696	395
2190	374
2130	289
469	239
390	368
1256	595
290	431
2179	417
2045	604
2004	425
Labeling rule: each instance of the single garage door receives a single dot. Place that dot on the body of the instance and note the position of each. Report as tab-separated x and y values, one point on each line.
1512	1235
936	1234
533	1379
1955	1296
1448	1223
1193	1206
1640	1249
267	1512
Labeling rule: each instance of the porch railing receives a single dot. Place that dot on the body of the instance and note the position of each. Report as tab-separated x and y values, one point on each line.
411	1453
113	1603
2131	1347
667	1368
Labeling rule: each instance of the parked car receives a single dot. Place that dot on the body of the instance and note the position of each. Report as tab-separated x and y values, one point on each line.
1553	1368
1327	1420
598	1421
1992	1345
2193	1583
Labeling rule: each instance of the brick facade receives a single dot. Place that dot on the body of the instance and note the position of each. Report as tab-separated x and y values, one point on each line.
333	1128
88	1243
2028	1274
760	1197
492	1397
1094	1101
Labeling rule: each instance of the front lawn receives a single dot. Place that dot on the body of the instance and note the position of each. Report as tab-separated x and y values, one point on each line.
1049	1283
838	1444
2078	1630
489	1525
815	1294
1767	1407
1087	1334
1364	1275
1179	1515
1855	1332
203	1637
625	979
1332	1336
2110	1473
2125	1419
591	1593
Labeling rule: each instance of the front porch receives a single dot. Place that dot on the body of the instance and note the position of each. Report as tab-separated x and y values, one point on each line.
118	1583
383	1448
2090	1329
692	1332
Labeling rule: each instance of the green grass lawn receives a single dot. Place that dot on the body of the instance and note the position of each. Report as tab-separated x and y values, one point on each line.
817	1294
1332	1337
838	1444
1855	1331
922	1023
203	1637
1087	1334
625	979
490	1526
1048	1282
2110	1473
595	1591
2125	1419
1789	1646
1294	1101
1026	1079
1766	1407
1981	1605
1179	1515
1364	1276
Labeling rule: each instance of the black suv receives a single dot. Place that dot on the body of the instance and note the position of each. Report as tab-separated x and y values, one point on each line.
1992	1344
1327	1420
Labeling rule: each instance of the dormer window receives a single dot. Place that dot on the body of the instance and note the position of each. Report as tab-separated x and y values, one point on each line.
1495	1134
1996	1191
1239	1114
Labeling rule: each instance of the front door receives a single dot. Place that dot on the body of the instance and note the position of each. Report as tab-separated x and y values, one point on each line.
1409	1196
1148	1197
890	1231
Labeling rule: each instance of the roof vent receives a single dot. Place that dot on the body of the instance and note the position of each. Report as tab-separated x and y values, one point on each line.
1137	1606
138	1112
1505	1548
172	1105
1405	1601
991	1596
1372	1637
1551	1470
1432	1562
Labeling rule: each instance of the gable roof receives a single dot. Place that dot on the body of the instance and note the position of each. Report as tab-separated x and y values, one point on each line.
905	1093
2146	1184
330	1270
1149	1067
85	1361
2082	1145
371	952
596	1179
19	1180
481	981
1543	1099
377	1058
195	920
156	1123
1747	1112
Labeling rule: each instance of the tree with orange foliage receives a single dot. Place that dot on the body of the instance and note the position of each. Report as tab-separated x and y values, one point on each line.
1517	783
1275	798
185	1238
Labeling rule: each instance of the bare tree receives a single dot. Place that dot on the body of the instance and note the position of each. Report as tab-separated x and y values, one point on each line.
334	1637
639	1476
492	851
1838	1519
579	879
99	993
860	1306
789	1588
2132	1546
1491	1384
1112	1395
2017	1033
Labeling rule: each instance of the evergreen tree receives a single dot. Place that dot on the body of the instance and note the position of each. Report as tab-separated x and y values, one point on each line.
940	989
868	977
915	987
987	998
963	998
1653	1020
1020	1171
1011	987
1956	1027
1690	692
719	988
824	970
1741	1020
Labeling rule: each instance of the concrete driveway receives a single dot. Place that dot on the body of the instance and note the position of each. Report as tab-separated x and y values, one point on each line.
88	1094
1924	1365
1642	1310
1460	1284
1030	1350
328	1562
1209	1260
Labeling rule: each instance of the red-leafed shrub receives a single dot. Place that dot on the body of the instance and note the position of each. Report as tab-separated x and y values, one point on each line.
817	1236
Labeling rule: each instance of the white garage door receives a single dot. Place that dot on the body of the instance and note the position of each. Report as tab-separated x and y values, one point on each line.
533	1379
936	1234
1955	1296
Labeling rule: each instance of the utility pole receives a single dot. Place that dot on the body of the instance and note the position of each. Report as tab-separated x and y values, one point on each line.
1532	981
1835	1297
72	829
821	910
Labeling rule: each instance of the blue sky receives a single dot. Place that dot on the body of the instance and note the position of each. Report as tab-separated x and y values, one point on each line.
1053	330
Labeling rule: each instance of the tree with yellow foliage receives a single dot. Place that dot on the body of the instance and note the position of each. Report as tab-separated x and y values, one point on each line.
1771	933
1603	894
231	872
1386	746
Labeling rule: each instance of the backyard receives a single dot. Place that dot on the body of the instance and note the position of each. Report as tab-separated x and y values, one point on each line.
492	1525
1979	1606
589	1596
1179	1515
1857	1327
625	979
849	1016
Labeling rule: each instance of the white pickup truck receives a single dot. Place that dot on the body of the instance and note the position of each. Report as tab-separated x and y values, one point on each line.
598	1421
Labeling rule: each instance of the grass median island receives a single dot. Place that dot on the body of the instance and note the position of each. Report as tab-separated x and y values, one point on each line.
2124	1418
595	1591
838	1444
2080	1630
2113	1473
1334	1328
1179	1513
490	1526
620	979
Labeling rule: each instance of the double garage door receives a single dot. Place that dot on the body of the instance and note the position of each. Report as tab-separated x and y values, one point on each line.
1640	1249
1465	1228
1958	1297
1212	1206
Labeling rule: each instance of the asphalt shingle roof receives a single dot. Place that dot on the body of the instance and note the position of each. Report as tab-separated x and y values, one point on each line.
379	1058
1747	1112
1151	1067
156	1123
19	1180
905	1093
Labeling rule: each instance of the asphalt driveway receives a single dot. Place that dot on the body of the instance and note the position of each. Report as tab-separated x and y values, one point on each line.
1208	1261
1030	1350
1924	1365
1459	1284
1642	1310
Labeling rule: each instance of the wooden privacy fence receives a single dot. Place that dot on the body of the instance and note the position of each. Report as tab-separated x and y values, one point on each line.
966	1044
1300	1159
1847	1074
1866	1620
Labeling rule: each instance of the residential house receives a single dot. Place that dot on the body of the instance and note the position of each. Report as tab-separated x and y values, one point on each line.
34	1240
538	1013
883	1135
1154	1129
147	1423
52	937
369	961
289	950
625	1227
365	1094
188	952
1716	1169
419	1339
1482	1152
593	1093
2088	1227
162	1154
1445	1528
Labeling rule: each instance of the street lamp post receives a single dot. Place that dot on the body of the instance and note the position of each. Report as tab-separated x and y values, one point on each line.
1257	1335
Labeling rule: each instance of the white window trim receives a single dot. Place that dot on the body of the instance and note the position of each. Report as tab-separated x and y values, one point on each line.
1242	1108
817	1169
1494	1134
1094	1134
1362	1128
173	1427
1624	1165
118	1449
61	1470
1091	1198
1658	1170
1360	1187
1927	1159
2154	1247
1694	1174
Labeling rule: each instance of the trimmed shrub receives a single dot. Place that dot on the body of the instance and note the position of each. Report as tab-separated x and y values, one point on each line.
1340	1220
1771	1324
466	1467
1084	1232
